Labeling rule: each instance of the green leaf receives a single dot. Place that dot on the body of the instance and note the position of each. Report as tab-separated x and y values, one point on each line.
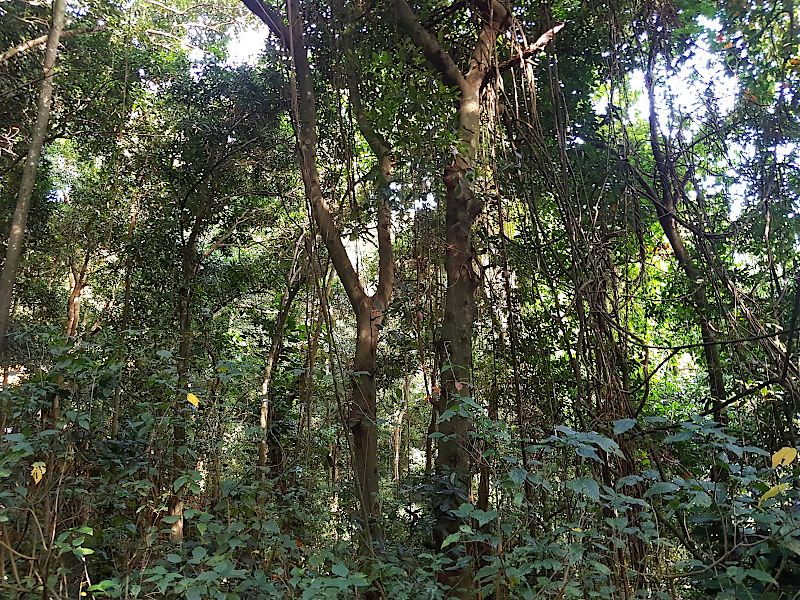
103	586
174	558
661	487
600	567
586	486
791	543
518	475
484	517
451	539
180	481
340	570
623	425
628	480
761	576
357	580
701	499
681	436
171	519
489	570
608	445
587	452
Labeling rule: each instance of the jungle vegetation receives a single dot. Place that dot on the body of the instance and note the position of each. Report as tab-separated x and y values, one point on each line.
478	299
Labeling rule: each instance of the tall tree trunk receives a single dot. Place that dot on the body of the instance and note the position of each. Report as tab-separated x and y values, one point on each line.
126	312
453	460
190	262
267	409
15	238
368	310
665	209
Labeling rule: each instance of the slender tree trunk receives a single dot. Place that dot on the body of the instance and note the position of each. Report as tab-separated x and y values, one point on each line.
74	302
189	265
267	410
665	209
126	311
15	238
368	310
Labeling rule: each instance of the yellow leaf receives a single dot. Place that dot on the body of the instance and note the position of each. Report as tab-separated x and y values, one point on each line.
774	491
784	456
38	469
193	400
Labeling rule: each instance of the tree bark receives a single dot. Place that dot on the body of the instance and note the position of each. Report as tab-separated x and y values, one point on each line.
15	238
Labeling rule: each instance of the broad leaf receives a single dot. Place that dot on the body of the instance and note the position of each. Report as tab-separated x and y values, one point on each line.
784	457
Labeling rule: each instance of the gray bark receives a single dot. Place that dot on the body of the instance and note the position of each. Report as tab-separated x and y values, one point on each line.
15	238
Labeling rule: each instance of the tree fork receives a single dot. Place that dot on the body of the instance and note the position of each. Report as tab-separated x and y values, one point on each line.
368	310
454	458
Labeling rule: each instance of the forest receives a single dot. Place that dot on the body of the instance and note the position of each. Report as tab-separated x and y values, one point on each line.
399	299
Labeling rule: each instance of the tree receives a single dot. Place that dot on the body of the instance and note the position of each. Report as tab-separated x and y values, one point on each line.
15	238
368	310
593	237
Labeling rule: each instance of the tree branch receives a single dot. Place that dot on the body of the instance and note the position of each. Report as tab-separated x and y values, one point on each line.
221	241
273	20
39	41
438	57
509	64
383	155
305	104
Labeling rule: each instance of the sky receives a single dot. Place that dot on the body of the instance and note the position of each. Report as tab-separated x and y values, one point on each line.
245	48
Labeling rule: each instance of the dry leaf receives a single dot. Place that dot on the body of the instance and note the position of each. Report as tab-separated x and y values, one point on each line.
38	469
774	491
193	400
784	456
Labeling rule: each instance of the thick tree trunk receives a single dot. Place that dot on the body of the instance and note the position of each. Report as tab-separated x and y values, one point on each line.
15	238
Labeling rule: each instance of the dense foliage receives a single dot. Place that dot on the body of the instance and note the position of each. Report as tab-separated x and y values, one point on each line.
571	373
